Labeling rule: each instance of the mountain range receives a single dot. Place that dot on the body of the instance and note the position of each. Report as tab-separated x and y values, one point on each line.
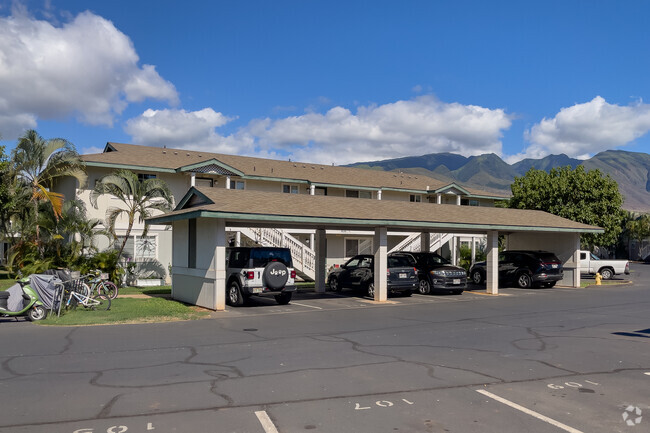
489	172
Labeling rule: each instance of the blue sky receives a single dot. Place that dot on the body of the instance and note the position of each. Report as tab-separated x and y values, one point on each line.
330	81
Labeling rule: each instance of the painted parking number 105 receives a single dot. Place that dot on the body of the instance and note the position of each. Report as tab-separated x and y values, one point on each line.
380	403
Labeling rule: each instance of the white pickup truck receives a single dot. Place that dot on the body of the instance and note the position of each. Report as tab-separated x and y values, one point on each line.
590	264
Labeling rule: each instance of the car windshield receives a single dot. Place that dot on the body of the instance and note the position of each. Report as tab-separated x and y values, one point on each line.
261	256
435	259
548	257
399	262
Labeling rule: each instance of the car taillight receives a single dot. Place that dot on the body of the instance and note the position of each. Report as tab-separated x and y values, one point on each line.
250	275
293	273
387	273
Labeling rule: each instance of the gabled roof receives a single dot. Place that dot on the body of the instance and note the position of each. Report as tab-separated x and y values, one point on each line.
246	208
158	159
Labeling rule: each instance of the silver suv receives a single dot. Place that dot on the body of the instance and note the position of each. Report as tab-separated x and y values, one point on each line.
259	271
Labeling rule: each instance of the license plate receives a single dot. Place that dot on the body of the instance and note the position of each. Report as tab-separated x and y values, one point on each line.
456	281
554	266
403	275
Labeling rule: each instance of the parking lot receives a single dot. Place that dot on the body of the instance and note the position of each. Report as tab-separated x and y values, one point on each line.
543	360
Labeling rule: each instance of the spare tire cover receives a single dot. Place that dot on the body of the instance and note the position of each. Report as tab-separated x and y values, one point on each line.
275	275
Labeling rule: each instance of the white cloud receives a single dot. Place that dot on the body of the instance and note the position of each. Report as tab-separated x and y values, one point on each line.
583	130
186	130
86	68
413	127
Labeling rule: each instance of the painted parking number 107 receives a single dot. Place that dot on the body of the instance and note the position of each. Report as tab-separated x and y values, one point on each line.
380	403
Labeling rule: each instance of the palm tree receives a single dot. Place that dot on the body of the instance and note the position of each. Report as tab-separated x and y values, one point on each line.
40	163
140	198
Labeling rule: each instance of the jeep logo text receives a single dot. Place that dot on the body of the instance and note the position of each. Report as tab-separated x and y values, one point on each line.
277	272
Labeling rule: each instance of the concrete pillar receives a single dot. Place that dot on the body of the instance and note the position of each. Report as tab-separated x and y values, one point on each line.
312	189
576	260
192	179
439	198
473	250
379	195
380	245
320	248
492	264
453	244
220	265
425	242
238	239
311	241
227	182
458	200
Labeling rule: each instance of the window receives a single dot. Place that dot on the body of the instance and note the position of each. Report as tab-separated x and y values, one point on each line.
357	246
129	247
237	184
354	193
144	176
290	189
204	181
145	247
416	198
320	190
468	202
191	243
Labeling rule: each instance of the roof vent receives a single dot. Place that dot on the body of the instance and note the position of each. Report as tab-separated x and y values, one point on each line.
164	152
175	153
295	165
187	154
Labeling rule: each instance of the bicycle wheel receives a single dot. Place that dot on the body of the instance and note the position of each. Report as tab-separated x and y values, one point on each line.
110	289
101	302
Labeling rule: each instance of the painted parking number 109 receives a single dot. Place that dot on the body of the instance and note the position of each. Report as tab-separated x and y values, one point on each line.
380	403
570	385
113	429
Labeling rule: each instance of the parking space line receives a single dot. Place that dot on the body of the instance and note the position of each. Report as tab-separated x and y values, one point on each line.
266	422
305	305
528	411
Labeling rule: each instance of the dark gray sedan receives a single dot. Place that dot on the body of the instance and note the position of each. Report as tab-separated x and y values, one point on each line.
358	273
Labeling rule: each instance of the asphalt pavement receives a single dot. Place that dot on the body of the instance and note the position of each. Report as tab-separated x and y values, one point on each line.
538	360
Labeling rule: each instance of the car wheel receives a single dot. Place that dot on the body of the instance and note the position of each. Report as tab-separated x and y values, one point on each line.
334	285
371	290
424	287
606	273
234	297
283	298
37	313
524	281
477	277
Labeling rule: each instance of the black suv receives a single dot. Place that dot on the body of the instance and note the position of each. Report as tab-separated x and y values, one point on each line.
358	273
523	268
259	271
435	273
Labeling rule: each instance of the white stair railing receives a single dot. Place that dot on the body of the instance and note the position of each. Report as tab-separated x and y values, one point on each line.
304	258
412	243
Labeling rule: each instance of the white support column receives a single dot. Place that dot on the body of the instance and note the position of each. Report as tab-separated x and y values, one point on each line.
238	239
458	200
379	195
320	248
311	242
220	265
453	243
192	179
380	245
425	242
576	260
473	250
227	182
439	198
312	189
492	263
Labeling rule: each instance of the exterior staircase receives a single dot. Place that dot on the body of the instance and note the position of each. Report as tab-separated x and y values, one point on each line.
412	243
304	258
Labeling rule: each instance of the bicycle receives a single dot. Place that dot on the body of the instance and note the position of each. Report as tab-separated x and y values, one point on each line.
99	283
79	293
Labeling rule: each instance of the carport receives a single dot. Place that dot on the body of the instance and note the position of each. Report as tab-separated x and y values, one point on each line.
199	233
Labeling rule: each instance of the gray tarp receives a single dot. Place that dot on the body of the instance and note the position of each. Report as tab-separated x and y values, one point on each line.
45	287
15	301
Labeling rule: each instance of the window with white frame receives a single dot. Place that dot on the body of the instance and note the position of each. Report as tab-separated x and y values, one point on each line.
355	193
204	181
416	198
354	246
144	176
290	189
238	184
139	247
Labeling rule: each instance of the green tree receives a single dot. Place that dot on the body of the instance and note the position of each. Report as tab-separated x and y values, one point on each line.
583	196
140	199
40	163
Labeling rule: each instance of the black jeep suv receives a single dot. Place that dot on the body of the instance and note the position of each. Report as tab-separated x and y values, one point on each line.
523	268
435	273
259	271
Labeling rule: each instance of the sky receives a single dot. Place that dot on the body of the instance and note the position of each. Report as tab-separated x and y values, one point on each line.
330	82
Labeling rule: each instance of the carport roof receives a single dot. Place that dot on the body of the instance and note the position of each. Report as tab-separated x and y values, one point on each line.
255	208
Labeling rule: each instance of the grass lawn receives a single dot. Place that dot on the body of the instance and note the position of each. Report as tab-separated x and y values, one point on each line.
129	310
